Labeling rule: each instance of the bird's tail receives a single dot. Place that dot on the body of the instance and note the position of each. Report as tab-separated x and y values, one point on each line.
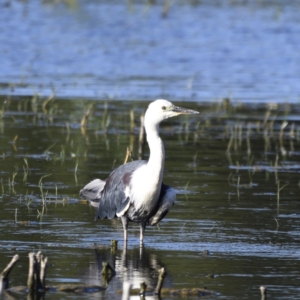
92	191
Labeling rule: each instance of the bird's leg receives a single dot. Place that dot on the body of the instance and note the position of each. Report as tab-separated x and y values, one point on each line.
124	220
142	230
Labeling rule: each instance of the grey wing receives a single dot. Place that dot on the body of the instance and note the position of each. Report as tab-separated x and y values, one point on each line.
113	198
166	200
92	191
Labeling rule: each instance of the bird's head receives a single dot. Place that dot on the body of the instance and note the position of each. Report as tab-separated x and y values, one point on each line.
161	109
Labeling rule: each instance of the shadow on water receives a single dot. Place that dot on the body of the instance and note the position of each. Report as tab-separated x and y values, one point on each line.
236	169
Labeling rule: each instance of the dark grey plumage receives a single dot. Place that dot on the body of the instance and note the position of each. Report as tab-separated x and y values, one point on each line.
165	201
113	198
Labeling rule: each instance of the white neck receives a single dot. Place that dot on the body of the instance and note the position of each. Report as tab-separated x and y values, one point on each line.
147	180
156	160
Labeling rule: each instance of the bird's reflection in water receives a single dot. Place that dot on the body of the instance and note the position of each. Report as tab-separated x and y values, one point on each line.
131	265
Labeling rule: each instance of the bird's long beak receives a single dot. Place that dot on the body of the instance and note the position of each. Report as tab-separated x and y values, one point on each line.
180	110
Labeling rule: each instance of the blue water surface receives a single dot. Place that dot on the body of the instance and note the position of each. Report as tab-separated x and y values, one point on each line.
182	50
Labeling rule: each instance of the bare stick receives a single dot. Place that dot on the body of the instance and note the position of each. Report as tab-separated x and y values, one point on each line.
126	290
42	266
31	280
5	273
263	291
160	282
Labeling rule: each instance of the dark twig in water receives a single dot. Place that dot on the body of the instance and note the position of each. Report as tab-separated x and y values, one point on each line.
277	224
107	272
114	245
107	269
279	189
143	288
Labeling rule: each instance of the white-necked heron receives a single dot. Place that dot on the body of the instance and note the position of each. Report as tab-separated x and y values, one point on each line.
134	191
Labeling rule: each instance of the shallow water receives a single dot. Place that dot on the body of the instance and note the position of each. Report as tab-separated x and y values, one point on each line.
197	50
227	165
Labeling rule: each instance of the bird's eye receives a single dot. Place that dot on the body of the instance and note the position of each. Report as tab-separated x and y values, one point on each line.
163	108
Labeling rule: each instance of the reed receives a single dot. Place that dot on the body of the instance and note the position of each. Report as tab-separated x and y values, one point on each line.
279	189
42	190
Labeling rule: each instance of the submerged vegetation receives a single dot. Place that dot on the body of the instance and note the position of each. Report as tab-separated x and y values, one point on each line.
72	129
81	123
244	161
253	139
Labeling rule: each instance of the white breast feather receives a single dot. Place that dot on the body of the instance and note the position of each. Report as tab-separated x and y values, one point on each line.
144	189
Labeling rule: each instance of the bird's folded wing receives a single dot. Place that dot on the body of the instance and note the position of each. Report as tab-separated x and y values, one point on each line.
115	197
